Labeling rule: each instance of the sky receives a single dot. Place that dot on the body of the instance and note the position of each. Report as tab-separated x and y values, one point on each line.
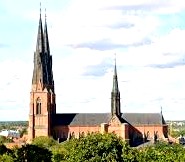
148	37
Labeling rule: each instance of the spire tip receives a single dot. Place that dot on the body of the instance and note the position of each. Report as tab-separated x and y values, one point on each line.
115	58
161	110
45	15
40	8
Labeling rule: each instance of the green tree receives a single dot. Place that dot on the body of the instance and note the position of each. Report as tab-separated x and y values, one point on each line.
5	139
3	149
129	154
2	139
6	158
95	147
44	141
32	153
59	152
162	152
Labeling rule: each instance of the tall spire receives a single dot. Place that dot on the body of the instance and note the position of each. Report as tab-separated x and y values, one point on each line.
40	72
115	94
40	41
48	56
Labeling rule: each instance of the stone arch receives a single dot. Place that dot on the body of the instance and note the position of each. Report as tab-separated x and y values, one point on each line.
73	135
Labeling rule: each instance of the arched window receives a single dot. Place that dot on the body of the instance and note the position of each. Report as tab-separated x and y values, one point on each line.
83	134
72	135
38	106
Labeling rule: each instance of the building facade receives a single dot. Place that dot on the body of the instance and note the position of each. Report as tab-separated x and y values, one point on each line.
44	121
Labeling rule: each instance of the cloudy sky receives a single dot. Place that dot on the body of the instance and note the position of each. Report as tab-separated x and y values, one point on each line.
148	37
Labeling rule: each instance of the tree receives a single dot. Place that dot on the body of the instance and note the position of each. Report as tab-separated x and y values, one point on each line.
4	139
32	153
95	147
129	154
44	141
6	158
162	152
59	152
3	149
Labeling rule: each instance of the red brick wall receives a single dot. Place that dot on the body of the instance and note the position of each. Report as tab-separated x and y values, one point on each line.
39	125
150	129
63	131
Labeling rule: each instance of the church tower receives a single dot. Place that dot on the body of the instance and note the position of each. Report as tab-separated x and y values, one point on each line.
115	95
42	95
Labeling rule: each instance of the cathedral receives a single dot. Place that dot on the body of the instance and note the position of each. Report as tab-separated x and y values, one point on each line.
44	121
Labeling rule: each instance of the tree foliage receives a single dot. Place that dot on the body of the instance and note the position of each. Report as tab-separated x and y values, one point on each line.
3	149
32	153
44	141
95	147
6	158
162	152
5	139
92	148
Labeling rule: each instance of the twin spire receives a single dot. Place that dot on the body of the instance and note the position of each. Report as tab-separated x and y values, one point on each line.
42	73
42	38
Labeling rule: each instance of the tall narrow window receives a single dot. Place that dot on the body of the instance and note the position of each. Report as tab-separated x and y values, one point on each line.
38	106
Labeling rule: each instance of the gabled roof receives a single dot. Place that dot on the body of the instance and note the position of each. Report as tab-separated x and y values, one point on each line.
144	118
94	119
82	119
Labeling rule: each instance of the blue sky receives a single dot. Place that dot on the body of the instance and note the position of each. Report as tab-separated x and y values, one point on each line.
147	36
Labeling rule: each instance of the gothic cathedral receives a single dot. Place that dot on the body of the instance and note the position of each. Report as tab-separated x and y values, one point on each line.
44	121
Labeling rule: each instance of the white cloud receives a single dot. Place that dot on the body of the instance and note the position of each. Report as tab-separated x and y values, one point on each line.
150	62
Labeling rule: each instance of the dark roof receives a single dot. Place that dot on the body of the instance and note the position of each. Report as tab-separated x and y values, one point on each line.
144	118
82	119
94	119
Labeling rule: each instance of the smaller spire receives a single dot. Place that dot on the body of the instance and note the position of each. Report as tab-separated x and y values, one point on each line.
115	94
115	70
115	88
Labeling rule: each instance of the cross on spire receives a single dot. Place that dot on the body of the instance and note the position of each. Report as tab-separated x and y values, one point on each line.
40	10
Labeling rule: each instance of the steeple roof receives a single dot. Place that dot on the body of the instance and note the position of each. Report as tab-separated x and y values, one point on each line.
115	95
115	88
42	72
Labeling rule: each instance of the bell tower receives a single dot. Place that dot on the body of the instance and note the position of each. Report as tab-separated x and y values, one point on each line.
42	95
